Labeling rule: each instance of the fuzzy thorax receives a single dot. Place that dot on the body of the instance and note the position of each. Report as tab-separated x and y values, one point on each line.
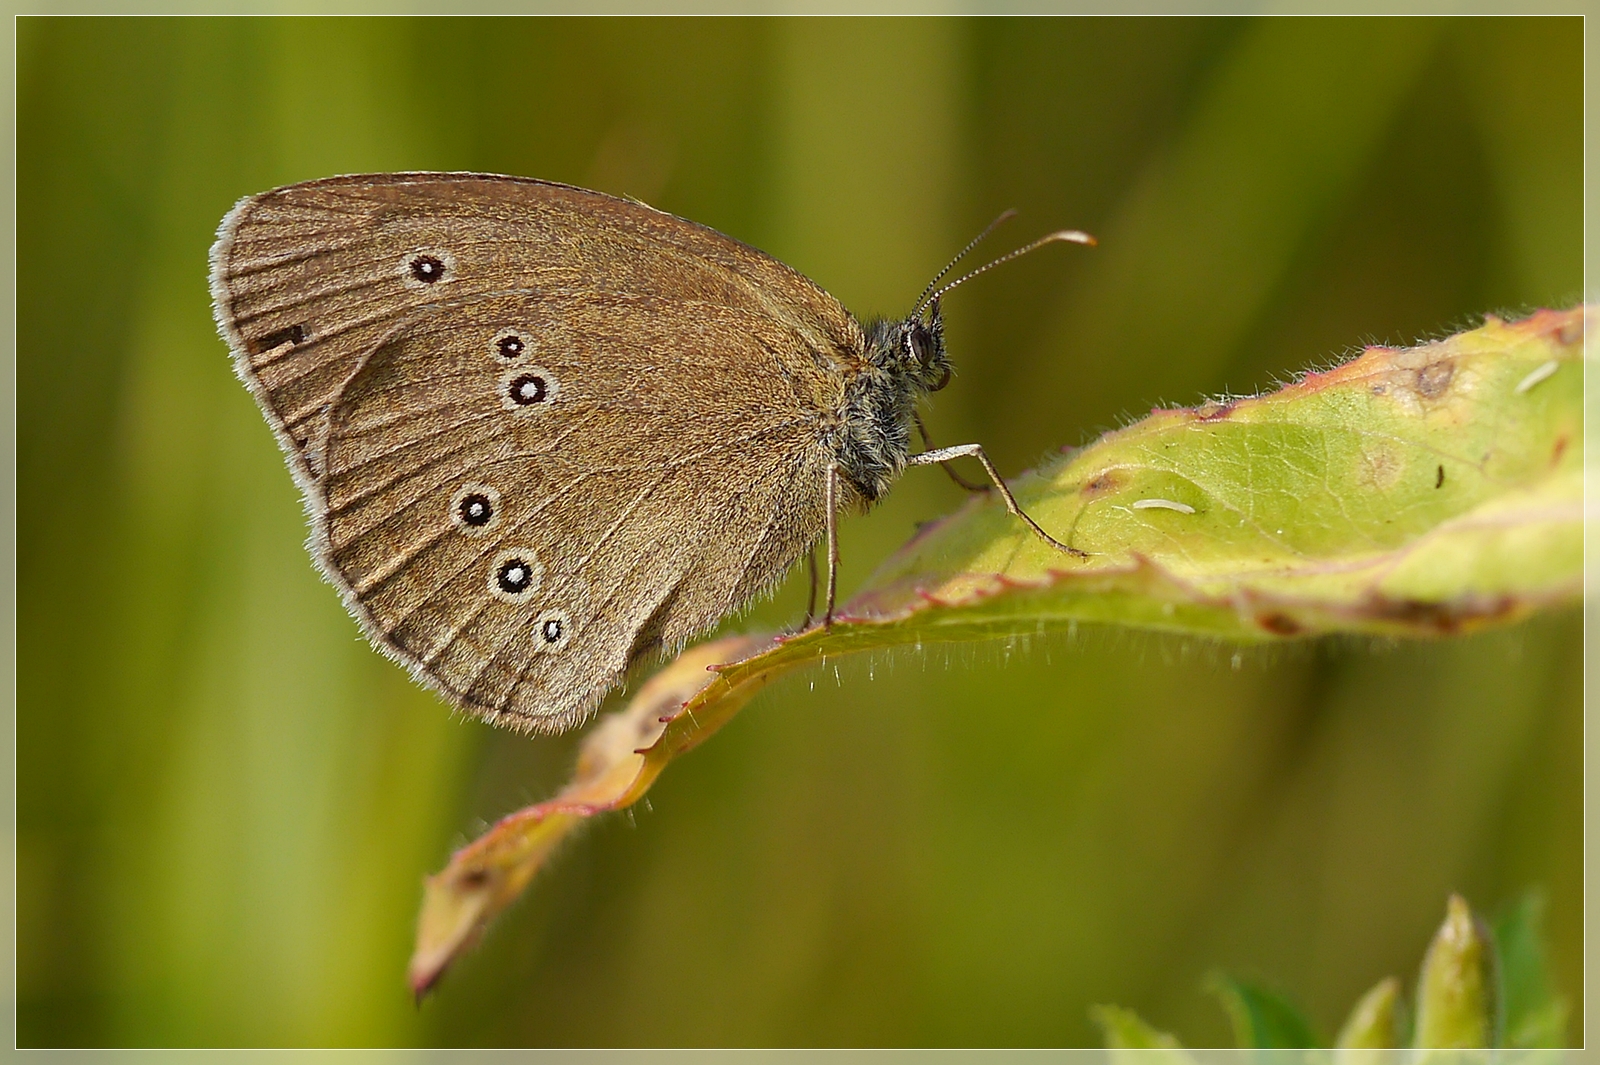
904	360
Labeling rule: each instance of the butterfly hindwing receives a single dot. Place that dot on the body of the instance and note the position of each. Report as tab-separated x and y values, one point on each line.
601	487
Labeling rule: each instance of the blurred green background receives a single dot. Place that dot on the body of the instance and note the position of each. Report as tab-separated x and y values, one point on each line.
226	801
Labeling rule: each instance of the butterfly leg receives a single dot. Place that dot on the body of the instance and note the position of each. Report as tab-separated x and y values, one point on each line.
833	543
927	442
945	454
811	600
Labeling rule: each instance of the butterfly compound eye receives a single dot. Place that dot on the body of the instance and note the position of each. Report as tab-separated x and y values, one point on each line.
920	347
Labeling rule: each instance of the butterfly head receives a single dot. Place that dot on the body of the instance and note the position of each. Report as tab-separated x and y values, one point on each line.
912	350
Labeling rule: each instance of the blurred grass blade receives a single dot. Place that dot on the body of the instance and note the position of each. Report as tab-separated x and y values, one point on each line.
1133	1040
1455	1006
1262	1019
1534	1015
1413	492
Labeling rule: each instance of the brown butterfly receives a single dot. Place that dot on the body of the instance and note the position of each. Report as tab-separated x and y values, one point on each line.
542	431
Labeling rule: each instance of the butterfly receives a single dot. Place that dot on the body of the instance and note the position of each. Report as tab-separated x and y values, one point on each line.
544	432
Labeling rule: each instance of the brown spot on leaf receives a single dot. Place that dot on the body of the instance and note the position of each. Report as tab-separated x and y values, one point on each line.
1279	624
1102	483
1381	467
1438	482
1434	378
1560	449
1444	619
1214	412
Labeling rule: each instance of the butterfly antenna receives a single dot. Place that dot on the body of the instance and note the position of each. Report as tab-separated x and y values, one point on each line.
1068	235
922	301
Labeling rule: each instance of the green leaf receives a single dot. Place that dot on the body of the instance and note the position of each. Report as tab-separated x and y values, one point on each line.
1134	1041
1534	1015
1414	492
1455	993
1408	492
1261	1019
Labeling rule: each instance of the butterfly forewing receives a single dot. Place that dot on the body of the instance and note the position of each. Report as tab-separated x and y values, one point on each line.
541	430
307	279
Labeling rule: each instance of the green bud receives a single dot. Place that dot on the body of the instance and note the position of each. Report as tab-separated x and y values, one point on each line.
1455	1001
1124	1029
1374	1023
